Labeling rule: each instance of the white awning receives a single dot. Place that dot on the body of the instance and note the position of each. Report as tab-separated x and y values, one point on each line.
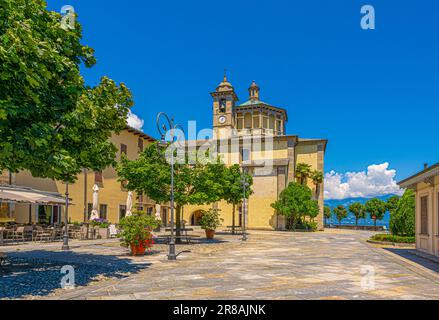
19	194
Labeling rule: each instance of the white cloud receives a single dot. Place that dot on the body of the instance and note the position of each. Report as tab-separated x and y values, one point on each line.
134	121
378	180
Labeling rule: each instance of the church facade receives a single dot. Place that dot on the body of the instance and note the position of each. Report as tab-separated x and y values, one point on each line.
253	135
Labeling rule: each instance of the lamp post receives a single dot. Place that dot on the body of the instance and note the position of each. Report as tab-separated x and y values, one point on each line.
163	128
245	184
65	245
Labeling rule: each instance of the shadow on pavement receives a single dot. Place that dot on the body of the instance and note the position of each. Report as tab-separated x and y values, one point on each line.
410	254
38	272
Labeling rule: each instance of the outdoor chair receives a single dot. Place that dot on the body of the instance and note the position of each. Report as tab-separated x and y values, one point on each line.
19	234
113	231
42	234
2	258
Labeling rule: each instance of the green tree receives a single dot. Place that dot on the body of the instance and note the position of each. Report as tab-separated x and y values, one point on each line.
392	203
326	213
150	173
303	171
358	210
51	123
317	179
402	218
376	208
294	203
340	212
233	189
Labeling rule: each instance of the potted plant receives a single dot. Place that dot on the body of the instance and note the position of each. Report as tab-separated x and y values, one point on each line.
210	220
136	232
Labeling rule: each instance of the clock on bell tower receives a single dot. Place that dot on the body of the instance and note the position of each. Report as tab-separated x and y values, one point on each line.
224	99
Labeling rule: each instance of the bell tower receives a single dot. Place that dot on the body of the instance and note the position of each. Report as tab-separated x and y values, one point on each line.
224	99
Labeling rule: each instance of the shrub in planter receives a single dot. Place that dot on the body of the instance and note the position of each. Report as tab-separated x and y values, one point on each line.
393	238
136	232
210	220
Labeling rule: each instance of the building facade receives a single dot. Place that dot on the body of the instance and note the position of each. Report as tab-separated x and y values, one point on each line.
426	186
112	194
253	135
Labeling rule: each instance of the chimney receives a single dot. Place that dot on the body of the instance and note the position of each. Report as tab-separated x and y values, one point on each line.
425	166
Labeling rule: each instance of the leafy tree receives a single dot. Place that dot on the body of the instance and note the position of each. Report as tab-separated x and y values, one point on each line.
392	203
303	171
317	179
233	189
358	210
295	202
51	123
340	212
150	173
402	218
376	208
326	213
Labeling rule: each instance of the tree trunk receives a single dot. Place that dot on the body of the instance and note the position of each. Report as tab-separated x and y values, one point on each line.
356	223
233	220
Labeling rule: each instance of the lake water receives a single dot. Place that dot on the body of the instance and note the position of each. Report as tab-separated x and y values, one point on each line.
350	220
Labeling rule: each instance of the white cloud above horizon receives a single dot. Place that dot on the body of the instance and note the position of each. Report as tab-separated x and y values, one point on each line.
378	180
134	121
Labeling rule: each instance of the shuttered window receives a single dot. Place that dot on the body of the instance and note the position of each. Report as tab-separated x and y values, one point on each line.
140	144
123	148
424	215
98	178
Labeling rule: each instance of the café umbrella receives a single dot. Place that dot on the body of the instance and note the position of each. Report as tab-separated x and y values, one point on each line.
94	212
129	204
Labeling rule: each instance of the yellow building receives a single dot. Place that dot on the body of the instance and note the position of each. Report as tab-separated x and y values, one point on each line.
426	186
112	195
252	134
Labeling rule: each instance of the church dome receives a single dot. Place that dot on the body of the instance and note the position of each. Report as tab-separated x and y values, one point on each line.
224	85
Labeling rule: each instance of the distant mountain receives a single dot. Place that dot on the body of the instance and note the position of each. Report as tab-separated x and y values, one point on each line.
350	220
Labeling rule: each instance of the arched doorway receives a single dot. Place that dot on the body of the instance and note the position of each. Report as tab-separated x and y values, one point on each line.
195	217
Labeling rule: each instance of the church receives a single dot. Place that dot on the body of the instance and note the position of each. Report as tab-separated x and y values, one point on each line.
253	135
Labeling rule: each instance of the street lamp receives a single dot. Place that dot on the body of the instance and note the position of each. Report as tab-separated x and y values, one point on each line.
65	245
245	185
163	128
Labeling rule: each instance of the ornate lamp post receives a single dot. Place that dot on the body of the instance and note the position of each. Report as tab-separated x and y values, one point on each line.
245	185
65	245
163	128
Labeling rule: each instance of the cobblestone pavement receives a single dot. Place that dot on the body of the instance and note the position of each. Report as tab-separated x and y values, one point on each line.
270	265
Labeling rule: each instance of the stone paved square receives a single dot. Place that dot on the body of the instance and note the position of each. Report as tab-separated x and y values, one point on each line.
270	265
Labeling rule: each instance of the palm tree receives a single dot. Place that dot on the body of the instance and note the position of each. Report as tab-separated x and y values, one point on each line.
358	210
317	179
303	171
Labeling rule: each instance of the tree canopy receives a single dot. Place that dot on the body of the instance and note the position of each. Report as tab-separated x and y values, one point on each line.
358	210
51	123
295	202
376	207
402	218
340	212
233	192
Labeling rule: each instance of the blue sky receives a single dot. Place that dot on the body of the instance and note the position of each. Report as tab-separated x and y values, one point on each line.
373	93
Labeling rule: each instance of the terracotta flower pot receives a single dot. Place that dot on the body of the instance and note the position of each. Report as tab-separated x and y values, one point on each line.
139	249
210	234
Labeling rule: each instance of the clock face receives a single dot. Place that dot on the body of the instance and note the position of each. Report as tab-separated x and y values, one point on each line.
222	119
